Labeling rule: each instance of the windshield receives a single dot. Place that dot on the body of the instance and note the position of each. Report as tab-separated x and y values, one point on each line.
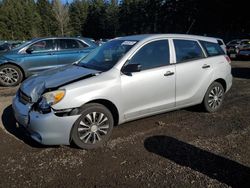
233	43
106	56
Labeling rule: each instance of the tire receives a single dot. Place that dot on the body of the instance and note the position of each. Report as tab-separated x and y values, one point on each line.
214	97
10	75
87	133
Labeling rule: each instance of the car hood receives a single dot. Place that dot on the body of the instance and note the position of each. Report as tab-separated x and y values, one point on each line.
36	85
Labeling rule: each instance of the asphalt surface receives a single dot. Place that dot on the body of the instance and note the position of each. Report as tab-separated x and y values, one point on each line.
184	148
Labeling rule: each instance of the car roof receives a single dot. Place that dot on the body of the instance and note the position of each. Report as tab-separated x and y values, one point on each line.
85	39
155	36
242	40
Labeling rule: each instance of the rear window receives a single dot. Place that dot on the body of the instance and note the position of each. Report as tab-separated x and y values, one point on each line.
220	42
66	44
212	49
187	50
245	42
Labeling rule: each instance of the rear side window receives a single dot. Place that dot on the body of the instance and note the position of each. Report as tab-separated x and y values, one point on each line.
187	50
152	55
212	49
66	44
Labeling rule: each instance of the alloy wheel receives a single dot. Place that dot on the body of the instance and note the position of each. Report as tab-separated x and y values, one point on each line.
215	97
93	127
9	75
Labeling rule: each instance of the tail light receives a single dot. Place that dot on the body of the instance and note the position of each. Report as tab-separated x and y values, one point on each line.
228	59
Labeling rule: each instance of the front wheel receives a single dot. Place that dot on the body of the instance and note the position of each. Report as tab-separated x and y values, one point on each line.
214	97
93	127
10	75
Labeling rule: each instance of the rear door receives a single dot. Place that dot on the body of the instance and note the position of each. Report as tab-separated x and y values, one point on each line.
40	56
71	50
193	72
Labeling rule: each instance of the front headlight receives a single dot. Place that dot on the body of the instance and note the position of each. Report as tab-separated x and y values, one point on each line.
51	98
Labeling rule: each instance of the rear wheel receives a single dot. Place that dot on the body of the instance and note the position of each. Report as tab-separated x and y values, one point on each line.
93	127
10	75
214	97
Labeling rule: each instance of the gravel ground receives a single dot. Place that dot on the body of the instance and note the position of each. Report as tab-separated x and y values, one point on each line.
184	148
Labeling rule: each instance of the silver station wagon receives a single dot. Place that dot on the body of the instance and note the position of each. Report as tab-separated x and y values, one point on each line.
125	79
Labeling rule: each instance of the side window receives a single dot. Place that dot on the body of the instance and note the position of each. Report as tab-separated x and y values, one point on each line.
42	46
67	44
212	49
154	54
187	50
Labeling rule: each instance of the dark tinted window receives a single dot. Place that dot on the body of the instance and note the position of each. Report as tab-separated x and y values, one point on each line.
187	50
154	54
220	42
44	45
212	49
71	44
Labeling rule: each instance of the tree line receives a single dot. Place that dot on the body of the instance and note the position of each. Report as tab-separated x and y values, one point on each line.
26	19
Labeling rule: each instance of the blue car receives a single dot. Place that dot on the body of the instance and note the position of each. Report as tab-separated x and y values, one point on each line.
39	55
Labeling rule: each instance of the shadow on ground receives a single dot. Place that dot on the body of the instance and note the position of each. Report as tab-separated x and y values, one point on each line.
241	72
214	166
18	131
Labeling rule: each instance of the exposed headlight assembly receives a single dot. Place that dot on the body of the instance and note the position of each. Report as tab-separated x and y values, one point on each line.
50	98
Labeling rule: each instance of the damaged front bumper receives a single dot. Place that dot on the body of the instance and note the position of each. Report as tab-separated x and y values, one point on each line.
47	129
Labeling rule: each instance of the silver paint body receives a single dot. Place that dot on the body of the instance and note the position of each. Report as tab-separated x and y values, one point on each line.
143	94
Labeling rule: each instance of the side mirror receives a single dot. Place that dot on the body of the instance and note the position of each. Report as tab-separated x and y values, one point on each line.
130	68
29	50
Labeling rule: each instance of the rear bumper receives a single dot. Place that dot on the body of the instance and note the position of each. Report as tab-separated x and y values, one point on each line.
47	129
229	81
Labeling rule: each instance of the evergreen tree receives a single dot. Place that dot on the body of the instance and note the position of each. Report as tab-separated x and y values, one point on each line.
11	24
78	12
112	19
95	24
48	24
30	19
25	19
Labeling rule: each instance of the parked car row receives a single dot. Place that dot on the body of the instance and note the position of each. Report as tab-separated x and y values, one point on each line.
6	46
124	79
239	49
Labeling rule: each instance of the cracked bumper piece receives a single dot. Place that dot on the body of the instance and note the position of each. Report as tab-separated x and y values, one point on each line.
47	129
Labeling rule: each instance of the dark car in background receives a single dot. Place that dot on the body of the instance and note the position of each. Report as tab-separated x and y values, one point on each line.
39	55
5	47
244	53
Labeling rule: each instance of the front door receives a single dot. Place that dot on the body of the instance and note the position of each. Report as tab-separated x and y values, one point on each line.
40	56
153	88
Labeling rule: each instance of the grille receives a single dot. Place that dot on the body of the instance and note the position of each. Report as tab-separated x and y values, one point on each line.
24	98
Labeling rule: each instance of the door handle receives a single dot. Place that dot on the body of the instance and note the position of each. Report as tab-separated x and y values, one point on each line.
205	66
51	53
169	73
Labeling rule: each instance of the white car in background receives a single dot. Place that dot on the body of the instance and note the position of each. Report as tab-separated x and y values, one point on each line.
125	79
